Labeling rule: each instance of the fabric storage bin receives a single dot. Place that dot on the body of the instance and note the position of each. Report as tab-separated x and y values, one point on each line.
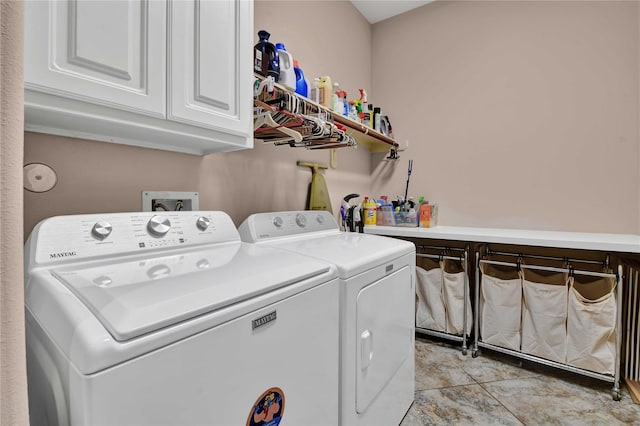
544	314
500	306
453	291
430	309
591	324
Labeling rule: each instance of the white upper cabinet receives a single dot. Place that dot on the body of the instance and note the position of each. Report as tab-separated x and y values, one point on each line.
104	52
201	90
172	75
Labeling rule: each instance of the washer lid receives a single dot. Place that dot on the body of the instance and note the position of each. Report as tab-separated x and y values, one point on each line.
351	252
141	296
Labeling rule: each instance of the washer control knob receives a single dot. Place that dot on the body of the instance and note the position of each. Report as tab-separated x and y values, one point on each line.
320	218
203	223
277	222
158	226
301	220
101	230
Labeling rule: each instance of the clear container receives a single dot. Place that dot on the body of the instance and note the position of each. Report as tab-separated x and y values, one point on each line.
406	218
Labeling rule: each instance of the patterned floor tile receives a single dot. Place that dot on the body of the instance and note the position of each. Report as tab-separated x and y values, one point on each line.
550	400
439	366
495	388
459	405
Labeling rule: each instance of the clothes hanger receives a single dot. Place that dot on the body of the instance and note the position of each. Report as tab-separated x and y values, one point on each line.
267	121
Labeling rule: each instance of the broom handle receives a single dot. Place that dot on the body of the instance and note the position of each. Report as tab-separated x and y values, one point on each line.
406	190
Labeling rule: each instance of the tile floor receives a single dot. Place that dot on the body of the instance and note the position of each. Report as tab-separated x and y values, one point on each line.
496	389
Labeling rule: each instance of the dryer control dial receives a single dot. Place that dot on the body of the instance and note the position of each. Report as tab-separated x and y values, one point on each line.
203	223
320	218
301	220
158	226
101	230
278	222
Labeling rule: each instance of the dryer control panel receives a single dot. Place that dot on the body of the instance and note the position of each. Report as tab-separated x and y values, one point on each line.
66	238
264	226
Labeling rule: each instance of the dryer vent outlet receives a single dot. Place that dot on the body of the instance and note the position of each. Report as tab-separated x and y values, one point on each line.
169	201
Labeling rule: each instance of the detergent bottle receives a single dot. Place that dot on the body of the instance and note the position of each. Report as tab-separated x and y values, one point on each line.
287	72
302	85
265	57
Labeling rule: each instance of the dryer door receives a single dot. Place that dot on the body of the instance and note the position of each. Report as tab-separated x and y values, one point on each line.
384	327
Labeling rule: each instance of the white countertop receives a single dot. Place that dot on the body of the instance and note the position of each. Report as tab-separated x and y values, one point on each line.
623	243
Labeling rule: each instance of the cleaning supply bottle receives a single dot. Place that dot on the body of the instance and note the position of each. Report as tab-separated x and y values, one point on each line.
363	106
287	73
314	91
265	57
368	116
323	92
370	208
336	100
424	213
376	118
345	104
302	85
326	91
353	111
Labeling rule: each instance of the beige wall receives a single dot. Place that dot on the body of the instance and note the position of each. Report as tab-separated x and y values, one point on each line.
519	114
96	177
13	371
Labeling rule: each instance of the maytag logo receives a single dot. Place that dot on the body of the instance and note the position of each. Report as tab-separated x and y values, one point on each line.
263	320
63	254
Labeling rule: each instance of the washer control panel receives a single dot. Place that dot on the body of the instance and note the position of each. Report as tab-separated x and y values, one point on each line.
263	226
63	238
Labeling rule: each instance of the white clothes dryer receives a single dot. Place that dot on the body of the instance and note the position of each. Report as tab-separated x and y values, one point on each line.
169	319
377	305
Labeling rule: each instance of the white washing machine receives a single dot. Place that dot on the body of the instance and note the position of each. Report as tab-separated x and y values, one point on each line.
377	305
169	319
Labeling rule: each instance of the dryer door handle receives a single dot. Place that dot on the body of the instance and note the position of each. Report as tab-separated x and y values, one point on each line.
366	349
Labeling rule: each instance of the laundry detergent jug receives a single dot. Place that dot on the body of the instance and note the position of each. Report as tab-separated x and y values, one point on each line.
287	73
302	85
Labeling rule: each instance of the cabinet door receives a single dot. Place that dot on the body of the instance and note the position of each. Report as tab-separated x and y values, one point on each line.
210	74
104	52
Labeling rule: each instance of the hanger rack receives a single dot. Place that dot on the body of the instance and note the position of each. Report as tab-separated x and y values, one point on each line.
444	253
605	263
441	248
340	131
569	270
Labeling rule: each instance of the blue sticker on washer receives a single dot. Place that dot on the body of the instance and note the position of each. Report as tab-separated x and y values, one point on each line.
268	409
